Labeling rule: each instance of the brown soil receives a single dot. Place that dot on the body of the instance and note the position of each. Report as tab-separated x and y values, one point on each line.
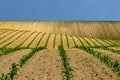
7	60
87	67
44	65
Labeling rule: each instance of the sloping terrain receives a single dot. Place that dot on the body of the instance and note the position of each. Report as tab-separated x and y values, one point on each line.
74	51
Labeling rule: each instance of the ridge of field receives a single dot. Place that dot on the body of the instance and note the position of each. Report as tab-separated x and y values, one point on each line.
36	39
96	29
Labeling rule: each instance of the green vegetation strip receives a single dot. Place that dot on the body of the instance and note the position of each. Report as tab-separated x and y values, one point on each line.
61	40
54	41
6	50
14	66
104	58
47	40
73	40
67	41
67	68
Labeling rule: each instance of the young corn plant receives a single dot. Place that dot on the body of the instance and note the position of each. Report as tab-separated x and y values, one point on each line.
67	68
11	74
4	77
13	71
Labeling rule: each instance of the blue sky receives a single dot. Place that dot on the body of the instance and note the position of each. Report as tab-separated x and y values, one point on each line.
60	9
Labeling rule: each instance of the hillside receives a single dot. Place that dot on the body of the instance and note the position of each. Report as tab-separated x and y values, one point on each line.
59	50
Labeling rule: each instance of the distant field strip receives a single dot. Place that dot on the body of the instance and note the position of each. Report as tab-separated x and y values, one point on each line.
20	38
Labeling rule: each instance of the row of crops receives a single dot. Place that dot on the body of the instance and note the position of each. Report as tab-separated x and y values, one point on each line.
86	44
9	37
113	64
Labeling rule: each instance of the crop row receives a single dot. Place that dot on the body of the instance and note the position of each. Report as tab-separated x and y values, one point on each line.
67	68
14	67
89	41
15	39
26	39
10	37
104	58
40	39
33	40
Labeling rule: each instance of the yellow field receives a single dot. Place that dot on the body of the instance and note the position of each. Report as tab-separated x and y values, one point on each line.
90	49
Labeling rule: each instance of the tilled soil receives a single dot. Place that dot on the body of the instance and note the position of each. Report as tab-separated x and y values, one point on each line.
87	67
7	60
44	65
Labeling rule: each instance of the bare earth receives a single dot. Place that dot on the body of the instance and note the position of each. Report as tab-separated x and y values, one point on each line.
7	60
44	65
87	67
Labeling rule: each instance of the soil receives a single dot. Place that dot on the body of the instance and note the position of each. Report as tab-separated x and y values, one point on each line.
13	57
88	67
44	65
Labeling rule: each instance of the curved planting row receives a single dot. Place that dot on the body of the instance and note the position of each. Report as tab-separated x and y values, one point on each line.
104	58
67	68
14	67
25	39
14	39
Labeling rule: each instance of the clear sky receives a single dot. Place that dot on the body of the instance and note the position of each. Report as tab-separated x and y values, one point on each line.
60	9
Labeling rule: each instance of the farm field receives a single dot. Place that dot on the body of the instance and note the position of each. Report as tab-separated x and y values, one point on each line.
38	50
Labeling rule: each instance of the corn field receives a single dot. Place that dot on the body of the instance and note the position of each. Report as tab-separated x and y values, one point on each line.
72	50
